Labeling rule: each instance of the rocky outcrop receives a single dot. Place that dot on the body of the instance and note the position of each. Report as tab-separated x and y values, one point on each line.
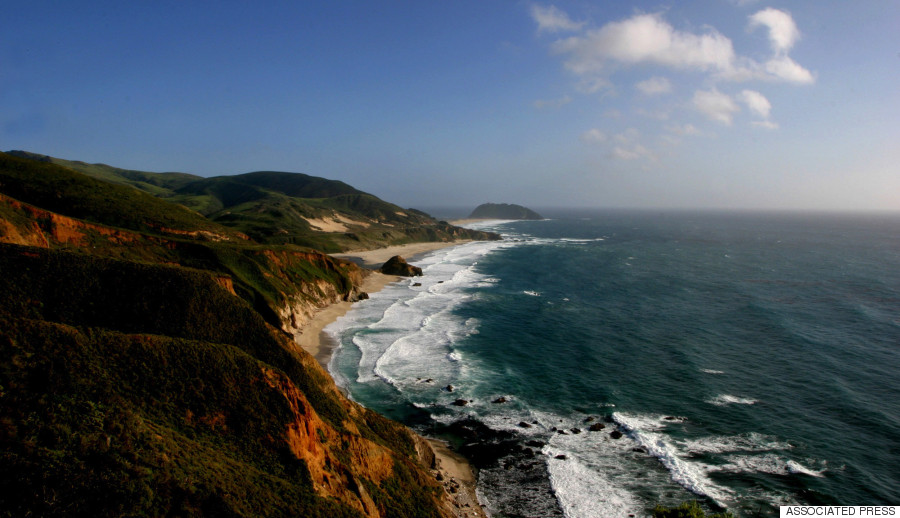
503	211
398	266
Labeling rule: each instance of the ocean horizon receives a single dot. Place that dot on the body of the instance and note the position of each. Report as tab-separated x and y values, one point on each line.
598	363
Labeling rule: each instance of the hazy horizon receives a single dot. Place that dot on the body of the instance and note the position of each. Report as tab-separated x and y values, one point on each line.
717	104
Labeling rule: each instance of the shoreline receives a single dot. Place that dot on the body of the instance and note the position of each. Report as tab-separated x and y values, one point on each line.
453	472
375	258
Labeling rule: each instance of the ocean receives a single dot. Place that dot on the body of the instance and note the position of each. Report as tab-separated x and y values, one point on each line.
598	363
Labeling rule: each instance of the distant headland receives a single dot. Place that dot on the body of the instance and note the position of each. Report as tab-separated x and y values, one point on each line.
503	211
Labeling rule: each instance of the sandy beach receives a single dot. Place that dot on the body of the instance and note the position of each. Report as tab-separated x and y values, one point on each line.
452	470
376	258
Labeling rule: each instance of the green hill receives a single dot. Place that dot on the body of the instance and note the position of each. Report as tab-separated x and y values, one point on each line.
148	367
143	390
285	208
503	211
70	193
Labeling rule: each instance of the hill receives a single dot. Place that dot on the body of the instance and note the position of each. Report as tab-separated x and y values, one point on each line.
147	390
503	211
285	208
149	368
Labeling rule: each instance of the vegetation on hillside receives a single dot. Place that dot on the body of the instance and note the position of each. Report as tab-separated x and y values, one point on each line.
284	208
69	193
135	389
135	382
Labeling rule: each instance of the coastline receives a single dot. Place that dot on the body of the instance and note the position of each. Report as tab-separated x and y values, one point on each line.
453	471
375	258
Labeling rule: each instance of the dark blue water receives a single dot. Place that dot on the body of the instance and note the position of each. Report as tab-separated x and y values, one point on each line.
749	360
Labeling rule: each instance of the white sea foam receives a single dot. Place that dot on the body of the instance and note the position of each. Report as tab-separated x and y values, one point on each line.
583	492
771	464
751	442
532	293
688	474
712	371
728	399
405	332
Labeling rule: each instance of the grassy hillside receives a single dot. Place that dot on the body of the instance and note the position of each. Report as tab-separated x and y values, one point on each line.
145	390
72	194
285	208
157	184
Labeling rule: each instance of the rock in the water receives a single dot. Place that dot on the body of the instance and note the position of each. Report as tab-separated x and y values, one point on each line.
398	266
460	402
523	424
576	430
501	399
596	427
449	388
561	457
615	434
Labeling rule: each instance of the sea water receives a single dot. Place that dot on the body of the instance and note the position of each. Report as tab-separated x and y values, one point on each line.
748	360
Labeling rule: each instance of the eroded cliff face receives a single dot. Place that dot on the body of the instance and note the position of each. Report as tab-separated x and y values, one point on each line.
301	296
337	462
27	224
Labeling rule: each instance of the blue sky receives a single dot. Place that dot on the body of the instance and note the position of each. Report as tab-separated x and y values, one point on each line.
707	104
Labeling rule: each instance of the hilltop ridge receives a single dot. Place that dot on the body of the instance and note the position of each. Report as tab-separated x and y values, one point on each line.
503	211
274	207
150	367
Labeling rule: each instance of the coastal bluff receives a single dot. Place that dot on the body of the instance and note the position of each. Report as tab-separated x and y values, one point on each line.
503	211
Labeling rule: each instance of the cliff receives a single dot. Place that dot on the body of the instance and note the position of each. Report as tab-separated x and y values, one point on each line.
148	369
503	211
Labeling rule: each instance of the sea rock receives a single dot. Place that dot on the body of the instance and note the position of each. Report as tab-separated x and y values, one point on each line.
523	424
561	457
500	399
460	402
576	430
449	388
615	434
596	427
398	266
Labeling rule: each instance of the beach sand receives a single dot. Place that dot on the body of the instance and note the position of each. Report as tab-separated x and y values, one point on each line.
314	340
453	471
376	258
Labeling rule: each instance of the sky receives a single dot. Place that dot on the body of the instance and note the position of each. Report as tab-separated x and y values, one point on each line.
710	104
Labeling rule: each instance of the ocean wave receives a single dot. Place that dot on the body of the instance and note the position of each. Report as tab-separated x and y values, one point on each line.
751	442
770	464
690	475
583	492
728	399
712	371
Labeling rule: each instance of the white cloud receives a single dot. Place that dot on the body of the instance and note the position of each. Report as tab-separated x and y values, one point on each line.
645	38
783	32
594	136
551	19
786	69
650	39
757	103
633	152
716	105
552	103
767	124
654	86
687	129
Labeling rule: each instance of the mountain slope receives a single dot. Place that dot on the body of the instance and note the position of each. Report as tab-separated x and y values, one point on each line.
72	194
286	208
503	211
150	390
